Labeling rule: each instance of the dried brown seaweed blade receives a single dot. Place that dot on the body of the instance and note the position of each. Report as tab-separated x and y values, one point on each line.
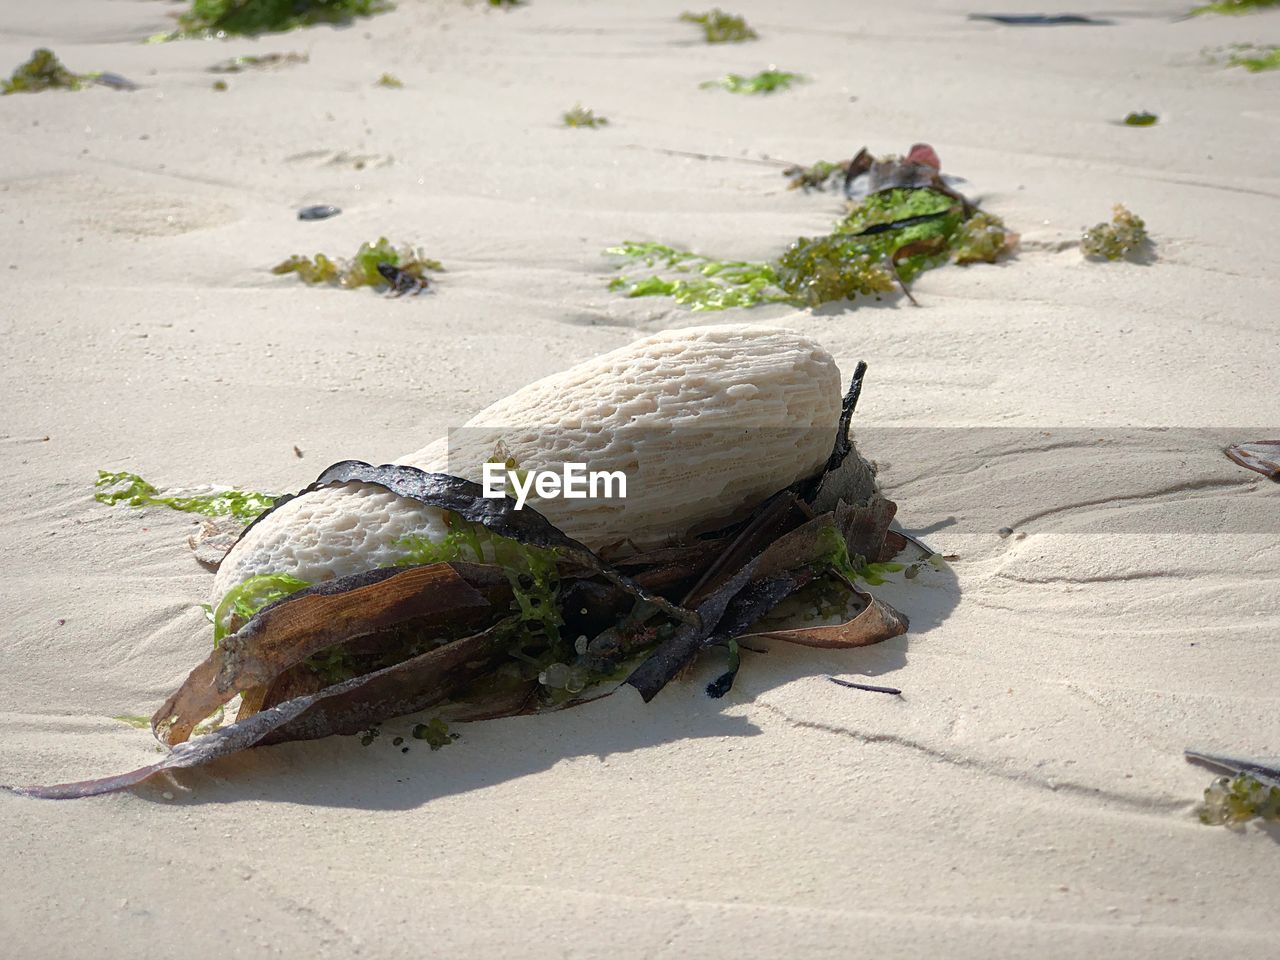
1261	456
291	630
403	688
876	622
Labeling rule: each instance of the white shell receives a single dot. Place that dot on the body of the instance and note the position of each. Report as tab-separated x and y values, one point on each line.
705	422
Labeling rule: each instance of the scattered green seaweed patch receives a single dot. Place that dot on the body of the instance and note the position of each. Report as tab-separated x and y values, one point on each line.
580	116
390	81
766	81
435	732
362	269
1254	58
1141	119
1230	801
131	489
817	176
888	238
1235	7
266	61
220	18
248	597
720	27
44	71
1124	237
220	86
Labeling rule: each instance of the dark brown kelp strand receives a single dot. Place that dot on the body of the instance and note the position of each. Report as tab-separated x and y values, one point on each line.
466	499
343	708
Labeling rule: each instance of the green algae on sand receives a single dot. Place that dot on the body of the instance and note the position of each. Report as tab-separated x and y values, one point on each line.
720	27
766	81
44	71
217	18
1125	237
886	238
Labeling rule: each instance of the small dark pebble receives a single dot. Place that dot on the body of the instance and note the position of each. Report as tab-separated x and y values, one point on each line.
397	741
1004	532
321	211
404	749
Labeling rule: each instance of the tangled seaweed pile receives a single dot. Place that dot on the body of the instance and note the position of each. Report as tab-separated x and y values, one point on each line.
508	615
908	220
378	263
1124	237
44	71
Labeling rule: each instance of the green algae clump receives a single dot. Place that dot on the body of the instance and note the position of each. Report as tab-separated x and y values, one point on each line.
1124	237
1140	119
720	27
1235	7
248	597
131	489
249	17
580	116
390	80
435	733
766	81
362	269
44	71
1255	59
1230	801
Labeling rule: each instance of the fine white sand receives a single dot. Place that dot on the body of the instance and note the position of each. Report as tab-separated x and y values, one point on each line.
1026	796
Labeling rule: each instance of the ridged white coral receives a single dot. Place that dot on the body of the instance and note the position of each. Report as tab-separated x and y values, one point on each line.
704	422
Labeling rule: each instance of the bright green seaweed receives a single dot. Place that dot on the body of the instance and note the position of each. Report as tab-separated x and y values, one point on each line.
889	237
1255	59
1235	7
1140	118
131	489
766	81
362	269
249	596
720	27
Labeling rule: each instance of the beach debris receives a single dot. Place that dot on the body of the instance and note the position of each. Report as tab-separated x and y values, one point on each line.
389	80
506	614
580	116
263	61
1041	19
1251	792
131	489
720	27
1261	456
364	269
320	211
1125	237
1235	7
507	4
114	81
220	86
869	687
766	81
214	538
1256	58
44	71
903	218
220	18
401	281
1140	119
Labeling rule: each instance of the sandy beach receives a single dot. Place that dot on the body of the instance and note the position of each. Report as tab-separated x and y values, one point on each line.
1026	796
